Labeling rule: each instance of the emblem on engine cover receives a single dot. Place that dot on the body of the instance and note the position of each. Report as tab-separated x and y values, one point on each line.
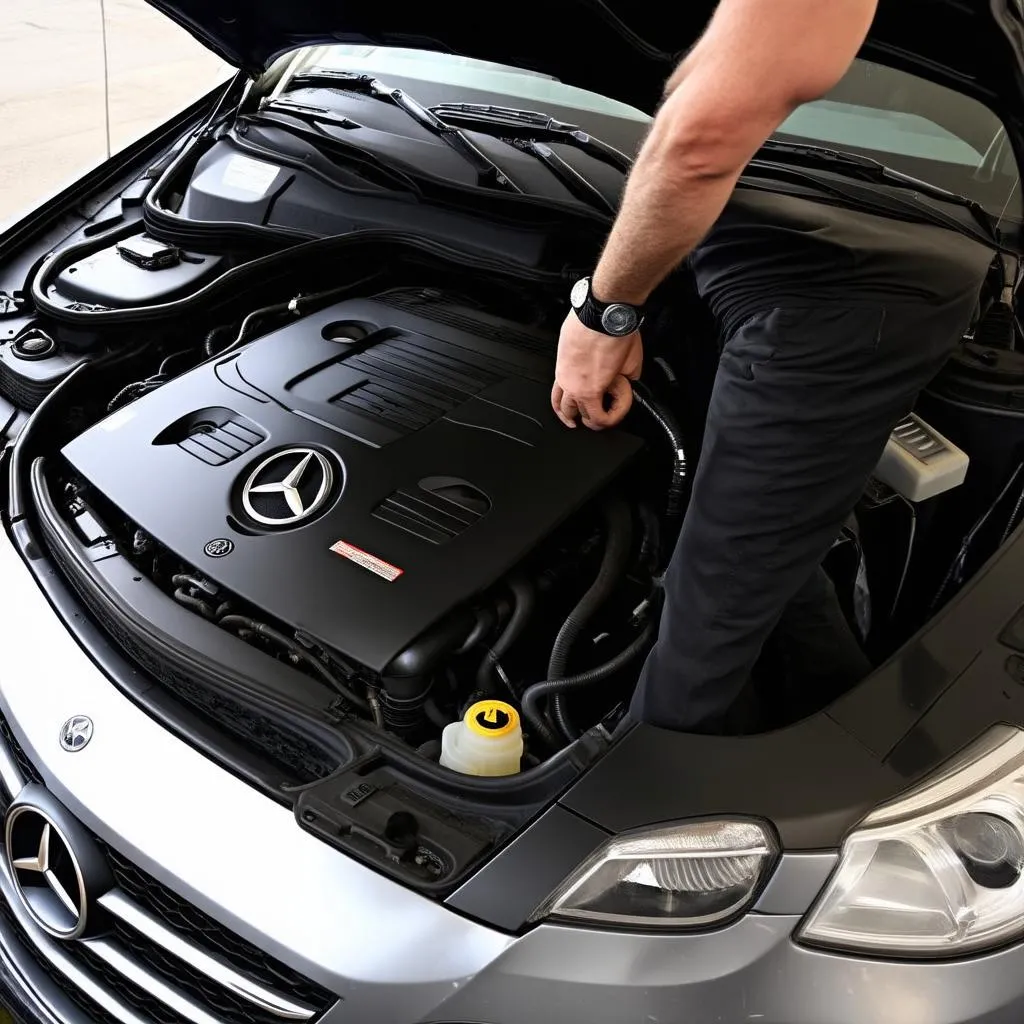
288	487
219	547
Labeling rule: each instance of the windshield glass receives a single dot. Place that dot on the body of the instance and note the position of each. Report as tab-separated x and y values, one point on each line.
917	127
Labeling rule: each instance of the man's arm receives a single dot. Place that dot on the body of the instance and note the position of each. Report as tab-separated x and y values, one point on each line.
756	63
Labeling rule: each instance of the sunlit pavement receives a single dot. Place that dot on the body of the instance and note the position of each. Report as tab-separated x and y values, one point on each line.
52	88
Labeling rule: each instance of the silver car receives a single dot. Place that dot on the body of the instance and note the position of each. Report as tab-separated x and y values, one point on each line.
318	631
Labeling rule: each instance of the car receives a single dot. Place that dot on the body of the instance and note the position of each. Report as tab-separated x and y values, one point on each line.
318	630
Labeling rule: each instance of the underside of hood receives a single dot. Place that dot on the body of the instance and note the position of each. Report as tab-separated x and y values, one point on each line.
621	48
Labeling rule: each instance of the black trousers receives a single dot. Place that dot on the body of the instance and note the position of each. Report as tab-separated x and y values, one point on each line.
803	403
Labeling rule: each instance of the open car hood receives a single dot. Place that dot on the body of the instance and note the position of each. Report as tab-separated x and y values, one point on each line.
621	48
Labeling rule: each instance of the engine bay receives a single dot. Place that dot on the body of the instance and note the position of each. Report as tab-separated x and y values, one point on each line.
292	447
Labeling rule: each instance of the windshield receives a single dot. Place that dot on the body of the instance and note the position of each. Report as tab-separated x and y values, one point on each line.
917	127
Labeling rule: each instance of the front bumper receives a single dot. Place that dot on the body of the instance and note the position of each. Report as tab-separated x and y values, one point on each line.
391	956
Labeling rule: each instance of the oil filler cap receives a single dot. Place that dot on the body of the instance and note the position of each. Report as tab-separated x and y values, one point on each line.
492	718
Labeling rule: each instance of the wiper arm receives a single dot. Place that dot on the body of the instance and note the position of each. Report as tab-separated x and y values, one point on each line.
356	155
488	172
874	170
307	112
574	182
532	124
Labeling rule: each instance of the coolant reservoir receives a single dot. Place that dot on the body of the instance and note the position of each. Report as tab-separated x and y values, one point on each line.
488	740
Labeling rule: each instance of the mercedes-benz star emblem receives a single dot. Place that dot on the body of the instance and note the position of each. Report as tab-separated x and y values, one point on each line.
75	733
46	872
288	487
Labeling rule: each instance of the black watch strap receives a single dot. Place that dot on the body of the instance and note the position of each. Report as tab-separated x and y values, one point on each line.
616	319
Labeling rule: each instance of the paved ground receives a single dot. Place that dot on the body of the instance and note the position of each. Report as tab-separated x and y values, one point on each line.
52	87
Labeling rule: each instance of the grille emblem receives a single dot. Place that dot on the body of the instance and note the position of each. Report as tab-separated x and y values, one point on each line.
75	733
47	872
288	487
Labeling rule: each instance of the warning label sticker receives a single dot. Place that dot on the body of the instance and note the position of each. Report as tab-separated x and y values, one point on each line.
249	175
385	570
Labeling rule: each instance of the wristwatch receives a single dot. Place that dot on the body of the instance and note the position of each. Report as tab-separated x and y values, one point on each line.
616	319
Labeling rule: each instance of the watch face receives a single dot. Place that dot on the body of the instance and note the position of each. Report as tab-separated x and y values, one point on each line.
619	319
579	293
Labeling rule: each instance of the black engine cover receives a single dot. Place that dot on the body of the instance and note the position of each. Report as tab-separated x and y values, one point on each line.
446	467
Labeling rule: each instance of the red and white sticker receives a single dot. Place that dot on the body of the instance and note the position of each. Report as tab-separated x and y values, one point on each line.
385	570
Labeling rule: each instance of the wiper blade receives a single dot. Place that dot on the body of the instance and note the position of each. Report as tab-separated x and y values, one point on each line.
308	112
488	172
353	154
532	124
574	182
874	170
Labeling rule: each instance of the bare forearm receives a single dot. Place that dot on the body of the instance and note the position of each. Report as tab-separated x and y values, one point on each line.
669	205
758	61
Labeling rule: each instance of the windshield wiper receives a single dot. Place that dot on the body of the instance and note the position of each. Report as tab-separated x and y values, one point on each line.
307	112
488	172
392	174
868	169
574	182
531	124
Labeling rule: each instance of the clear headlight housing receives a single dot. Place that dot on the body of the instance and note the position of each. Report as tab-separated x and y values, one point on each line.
938	872
686	876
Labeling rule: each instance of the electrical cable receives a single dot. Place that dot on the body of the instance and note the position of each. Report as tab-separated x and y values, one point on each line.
953	574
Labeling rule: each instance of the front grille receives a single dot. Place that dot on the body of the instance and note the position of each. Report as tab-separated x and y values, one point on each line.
134	997
25	766
183	917
92	1012
152	961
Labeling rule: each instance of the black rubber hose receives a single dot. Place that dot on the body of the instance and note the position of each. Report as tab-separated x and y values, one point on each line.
197	604
618	524
485	620
210	342
435	715
522	610
676	499
184	579
556	687
273	635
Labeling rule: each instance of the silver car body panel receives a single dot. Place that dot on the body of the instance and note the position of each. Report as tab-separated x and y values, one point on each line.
193	826
392	956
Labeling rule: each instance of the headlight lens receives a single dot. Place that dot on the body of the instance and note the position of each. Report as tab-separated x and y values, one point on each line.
687	876
939	872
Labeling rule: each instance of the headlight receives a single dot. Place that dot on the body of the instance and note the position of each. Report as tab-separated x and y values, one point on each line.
688	876
940	871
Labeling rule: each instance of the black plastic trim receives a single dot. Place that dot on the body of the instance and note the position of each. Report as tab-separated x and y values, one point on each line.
510	887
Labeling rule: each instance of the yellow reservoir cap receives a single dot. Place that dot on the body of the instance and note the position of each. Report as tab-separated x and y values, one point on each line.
492	718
